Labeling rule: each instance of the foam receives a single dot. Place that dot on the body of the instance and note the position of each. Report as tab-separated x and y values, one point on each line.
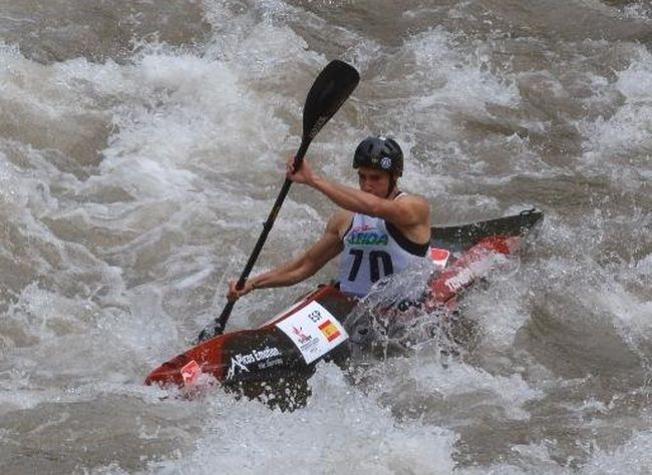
339	430
631	457
139	188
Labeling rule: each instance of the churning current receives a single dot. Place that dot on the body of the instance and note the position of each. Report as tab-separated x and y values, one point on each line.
143	143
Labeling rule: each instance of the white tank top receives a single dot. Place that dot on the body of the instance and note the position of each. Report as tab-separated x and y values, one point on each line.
374	249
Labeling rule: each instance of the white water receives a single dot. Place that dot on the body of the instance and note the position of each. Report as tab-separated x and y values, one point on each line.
133	184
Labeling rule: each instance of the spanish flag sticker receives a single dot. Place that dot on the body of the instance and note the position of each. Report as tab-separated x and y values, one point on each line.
329	330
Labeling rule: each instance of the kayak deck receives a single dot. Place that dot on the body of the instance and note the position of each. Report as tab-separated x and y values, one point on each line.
285	349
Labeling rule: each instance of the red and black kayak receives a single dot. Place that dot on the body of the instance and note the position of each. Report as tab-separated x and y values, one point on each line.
314	328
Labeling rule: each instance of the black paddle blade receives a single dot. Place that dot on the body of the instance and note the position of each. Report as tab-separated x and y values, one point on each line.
332	87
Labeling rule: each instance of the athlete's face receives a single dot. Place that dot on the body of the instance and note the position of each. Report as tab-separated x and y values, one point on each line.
376	182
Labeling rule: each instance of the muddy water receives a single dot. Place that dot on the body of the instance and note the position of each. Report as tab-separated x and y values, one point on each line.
142	144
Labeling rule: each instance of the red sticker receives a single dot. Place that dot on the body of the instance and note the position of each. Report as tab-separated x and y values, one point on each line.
190	372
439	256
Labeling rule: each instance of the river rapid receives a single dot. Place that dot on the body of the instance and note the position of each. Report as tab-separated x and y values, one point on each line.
143	143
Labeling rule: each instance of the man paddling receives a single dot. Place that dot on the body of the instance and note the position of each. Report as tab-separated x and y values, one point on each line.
379	230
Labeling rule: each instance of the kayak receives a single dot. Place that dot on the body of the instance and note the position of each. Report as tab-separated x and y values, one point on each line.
290	344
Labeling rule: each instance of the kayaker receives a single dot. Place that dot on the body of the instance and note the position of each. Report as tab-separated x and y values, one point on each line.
379	230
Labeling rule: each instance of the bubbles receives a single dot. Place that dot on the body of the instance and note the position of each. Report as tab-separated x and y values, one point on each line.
393	319
362	436
630	457
66	29
638	10
135	173
628	130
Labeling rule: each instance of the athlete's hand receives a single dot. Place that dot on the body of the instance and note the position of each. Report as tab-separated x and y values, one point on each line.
303	175
234	294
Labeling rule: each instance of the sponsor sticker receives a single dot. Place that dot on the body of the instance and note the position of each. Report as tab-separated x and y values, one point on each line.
260	359
439	256
461	279
314	331
190	372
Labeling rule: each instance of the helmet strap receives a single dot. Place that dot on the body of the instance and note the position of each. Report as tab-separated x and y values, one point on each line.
392	185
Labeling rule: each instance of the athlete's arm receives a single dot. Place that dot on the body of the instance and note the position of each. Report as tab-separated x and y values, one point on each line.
299	269
408	211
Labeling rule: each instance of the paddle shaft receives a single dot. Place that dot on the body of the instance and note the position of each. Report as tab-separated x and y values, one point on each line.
329	91
220	322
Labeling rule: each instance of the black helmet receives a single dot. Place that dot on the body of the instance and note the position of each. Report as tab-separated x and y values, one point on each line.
379	152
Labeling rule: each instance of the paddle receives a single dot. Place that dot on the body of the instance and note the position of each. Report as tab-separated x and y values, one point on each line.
329	91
